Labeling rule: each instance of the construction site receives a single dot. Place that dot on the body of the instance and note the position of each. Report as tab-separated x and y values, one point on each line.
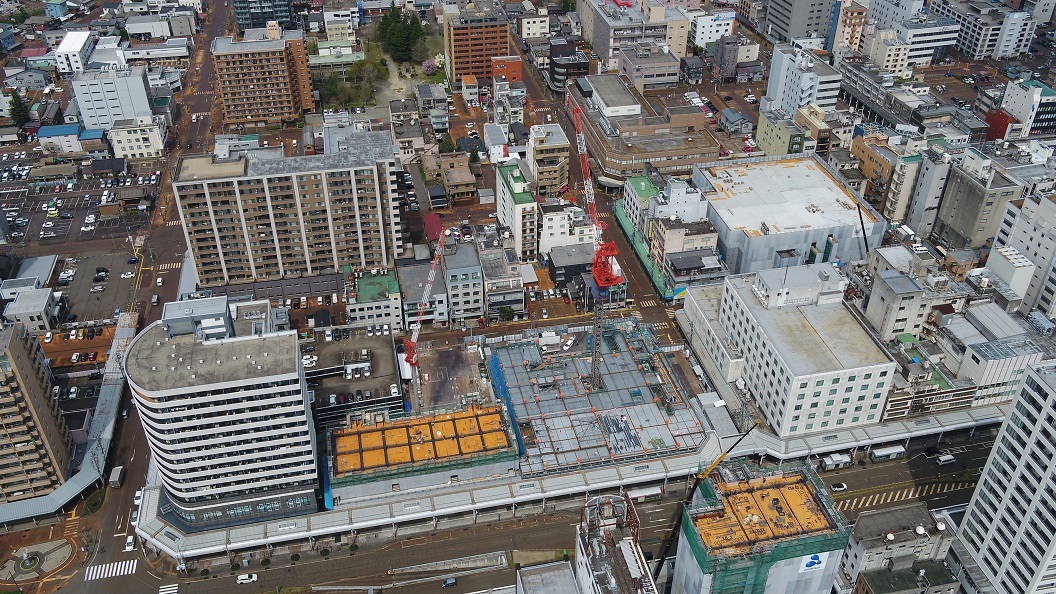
373	450
562	422
749	531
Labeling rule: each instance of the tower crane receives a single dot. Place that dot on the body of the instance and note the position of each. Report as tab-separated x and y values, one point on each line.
604	268
410	344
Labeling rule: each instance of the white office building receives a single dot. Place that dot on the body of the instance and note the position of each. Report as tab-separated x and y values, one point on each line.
707	27
563	223
886	14
73	52
929	38
1027	226
138	138
516	208
786	339
220	390
797	79
106	96
1008	530
988	30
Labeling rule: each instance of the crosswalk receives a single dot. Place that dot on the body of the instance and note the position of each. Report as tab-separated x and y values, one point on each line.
175	223
170	589
109	570
170	266
662	325
71	528
908	493
648	303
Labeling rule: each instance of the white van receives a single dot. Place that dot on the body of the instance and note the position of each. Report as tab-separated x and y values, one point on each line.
945	459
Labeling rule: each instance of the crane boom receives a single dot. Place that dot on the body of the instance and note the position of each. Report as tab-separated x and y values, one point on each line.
700	476
410	344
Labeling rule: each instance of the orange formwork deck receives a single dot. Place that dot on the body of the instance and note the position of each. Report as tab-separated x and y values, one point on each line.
422	439
761	510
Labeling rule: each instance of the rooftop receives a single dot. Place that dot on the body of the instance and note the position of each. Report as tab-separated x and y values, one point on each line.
369	446
786	195
547	578
572	255
376	287
762	510
412	282
612	90
228	45
545	135
157	362
511	176
809	338
74	41
935	573
463	255
367	149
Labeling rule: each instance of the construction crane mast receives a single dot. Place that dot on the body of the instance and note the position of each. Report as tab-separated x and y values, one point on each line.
410	344
605	271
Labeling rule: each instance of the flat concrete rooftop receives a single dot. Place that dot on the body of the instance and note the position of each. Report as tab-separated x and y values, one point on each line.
787	194
812	338
155	362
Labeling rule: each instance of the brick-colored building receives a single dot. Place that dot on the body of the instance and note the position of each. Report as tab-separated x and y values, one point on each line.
472	38
509	66
263	80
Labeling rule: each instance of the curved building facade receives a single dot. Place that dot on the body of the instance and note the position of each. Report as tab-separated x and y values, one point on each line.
224	406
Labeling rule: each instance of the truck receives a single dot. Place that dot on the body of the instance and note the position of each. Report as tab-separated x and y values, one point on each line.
117	476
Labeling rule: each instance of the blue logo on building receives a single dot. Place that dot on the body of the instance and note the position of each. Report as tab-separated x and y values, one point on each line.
813	562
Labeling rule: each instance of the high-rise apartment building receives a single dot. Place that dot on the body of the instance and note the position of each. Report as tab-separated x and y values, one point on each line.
251	14
798	79
220	389
1008	527
790	19
263	80
33	435
472	38
610	27
263	216
847	28
548	156
1033	103
517	209
107	96
1026	226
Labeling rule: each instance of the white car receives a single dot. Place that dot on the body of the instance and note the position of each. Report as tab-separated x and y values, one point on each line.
89	219
88	228
128	274
130	543
49	336
48	225
134	518
97	289
137	499
246	578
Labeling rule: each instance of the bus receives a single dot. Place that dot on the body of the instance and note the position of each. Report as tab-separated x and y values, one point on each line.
645	494
888	453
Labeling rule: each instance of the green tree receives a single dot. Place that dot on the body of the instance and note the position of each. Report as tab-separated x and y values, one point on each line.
568	5
313	48
420	52
505	314
446	145
18	110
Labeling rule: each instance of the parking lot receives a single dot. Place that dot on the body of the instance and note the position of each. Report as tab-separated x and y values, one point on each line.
56	212
116	292
82	343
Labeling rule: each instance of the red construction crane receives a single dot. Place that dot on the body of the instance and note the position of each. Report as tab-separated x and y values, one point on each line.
605	271
410	344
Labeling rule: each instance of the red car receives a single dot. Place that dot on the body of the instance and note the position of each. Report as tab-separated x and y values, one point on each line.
93	355
567	300
480	322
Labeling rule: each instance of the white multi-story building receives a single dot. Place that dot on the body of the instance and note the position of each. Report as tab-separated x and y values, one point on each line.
707	27
106	96
563	223
73	52
988	30
374	299
517	209
341	25
886	50
1007	532
886	14
797	79
1033	104
786	338
138	138
221	392
465	280
1027	226
929	38
533	26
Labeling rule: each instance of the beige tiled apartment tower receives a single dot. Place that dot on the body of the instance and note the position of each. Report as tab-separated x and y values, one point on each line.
32	432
